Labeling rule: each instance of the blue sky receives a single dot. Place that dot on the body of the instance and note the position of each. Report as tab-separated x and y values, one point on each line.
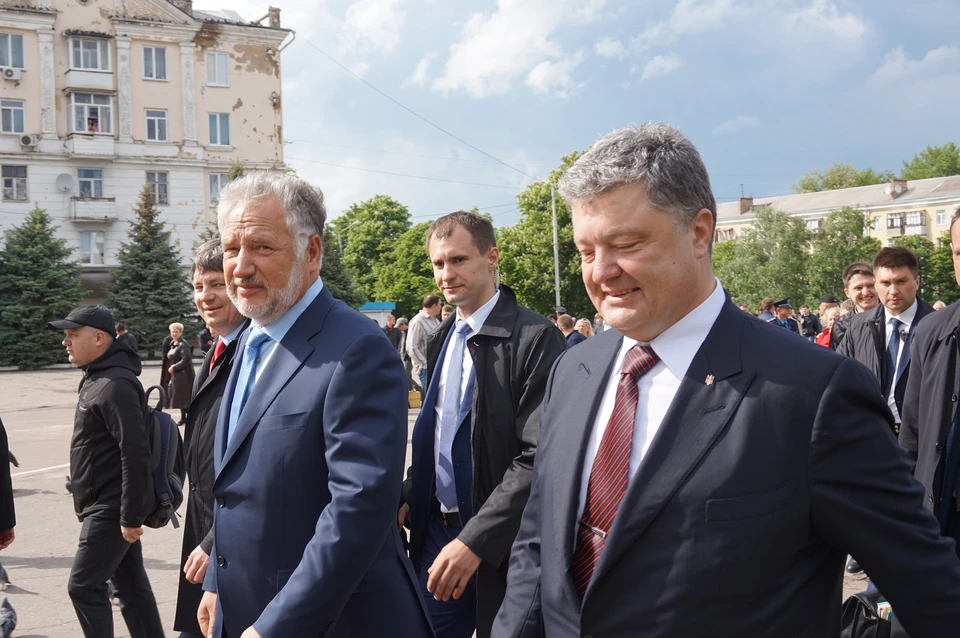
766	89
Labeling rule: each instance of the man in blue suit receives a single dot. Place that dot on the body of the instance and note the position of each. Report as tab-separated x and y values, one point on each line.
310	443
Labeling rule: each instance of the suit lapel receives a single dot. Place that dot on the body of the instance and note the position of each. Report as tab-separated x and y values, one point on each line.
697	416
577	416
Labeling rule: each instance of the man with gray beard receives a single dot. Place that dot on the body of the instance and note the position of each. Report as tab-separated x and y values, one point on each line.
310	443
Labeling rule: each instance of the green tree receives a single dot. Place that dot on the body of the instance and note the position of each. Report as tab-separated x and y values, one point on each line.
941	280
526	251
369	231
770	261
405	276
839	242
236	170
840	176
151	289
933	161
335	276
38	283
923	248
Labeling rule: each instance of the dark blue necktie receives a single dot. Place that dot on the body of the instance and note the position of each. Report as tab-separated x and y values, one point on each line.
893	349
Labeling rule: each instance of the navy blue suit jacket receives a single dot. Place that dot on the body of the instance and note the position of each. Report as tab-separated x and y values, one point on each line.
305	534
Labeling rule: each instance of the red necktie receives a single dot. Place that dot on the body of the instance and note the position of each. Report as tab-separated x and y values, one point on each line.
217	351
611	467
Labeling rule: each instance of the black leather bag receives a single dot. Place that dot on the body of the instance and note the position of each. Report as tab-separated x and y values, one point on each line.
859	617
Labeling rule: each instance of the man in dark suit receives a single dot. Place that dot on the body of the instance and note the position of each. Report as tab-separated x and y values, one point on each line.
8	517
219	314
930	434
474	441
683	485
310	443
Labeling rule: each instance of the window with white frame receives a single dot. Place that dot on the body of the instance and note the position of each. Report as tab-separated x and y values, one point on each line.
11	50
217	69
14	183
894	220
156	125
92	113
219	129
876	222
91	247
90	54
813	224
217	182
941	217
915	218
158	186
155	63
91	182
12	116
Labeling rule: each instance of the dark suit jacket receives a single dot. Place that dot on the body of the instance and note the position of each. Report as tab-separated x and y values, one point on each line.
740	517
8	518
198	435
305	525
866	341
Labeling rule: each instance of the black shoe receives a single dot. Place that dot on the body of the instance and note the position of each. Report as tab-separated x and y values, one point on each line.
853	567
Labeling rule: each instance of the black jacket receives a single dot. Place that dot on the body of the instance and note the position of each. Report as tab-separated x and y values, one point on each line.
810	326
840	327
512	354
199	434
8	518
109	453
930	400
866	340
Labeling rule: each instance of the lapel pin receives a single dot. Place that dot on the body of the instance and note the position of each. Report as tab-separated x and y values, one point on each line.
709	379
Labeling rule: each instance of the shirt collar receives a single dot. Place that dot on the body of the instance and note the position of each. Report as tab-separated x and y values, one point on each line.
228	339
478	318
906	317
279	328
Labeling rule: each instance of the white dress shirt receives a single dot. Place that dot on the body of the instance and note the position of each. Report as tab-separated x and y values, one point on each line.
906	319
676	346
475	321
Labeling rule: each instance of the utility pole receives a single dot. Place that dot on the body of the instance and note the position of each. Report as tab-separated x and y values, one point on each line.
556	246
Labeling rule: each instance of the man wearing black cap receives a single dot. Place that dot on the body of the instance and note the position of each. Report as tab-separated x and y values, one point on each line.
783	319
809	324
826	303
110	470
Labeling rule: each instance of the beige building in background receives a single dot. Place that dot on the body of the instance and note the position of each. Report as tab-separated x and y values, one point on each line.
900	208
98	97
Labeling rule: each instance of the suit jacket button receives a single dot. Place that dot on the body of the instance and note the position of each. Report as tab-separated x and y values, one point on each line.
221	561
953	398
193	487
220	501
930	497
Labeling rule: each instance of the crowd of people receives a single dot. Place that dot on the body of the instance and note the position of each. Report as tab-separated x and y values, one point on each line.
689	470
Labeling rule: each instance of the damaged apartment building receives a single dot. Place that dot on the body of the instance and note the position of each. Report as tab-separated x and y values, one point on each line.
99	97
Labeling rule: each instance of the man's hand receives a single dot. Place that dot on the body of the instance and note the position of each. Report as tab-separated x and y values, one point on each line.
250	633
453	568
207	613
131	534
170	369
196	567
402	515
6	537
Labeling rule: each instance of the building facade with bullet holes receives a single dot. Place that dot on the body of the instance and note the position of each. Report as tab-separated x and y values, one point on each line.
99	97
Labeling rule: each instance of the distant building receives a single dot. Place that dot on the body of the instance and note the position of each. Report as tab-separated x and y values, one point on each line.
900	208
98	97
378	310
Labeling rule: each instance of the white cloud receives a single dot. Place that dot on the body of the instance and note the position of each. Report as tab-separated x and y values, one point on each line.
610	48
897	65
499	49
550	77
825	16
687	18
660	65
373	25
736	125
419	75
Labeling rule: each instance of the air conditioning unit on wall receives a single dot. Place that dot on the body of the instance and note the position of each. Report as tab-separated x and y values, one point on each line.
29	141
10	73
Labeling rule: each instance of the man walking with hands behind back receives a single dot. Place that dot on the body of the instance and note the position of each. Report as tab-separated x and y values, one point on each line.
110	470
422	324
474	441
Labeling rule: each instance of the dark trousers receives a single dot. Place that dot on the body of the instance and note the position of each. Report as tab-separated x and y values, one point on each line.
454	618
103	555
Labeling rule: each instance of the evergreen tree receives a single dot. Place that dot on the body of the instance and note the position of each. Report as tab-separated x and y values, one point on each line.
38	283
335	276
151	289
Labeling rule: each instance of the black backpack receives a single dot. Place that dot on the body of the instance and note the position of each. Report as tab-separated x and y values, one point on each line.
166	459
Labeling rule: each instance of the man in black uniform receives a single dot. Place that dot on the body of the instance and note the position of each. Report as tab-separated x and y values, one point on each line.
110	470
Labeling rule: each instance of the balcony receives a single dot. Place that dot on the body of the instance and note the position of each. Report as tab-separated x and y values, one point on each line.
91	145
81	80
93	209
915	229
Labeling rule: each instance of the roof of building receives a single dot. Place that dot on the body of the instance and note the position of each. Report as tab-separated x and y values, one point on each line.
877	195
377	305
226	15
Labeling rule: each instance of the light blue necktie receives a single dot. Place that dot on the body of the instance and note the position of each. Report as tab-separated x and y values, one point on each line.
449	413
246	377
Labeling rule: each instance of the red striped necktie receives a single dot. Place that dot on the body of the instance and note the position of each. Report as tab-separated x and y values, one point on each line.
217	351
611	467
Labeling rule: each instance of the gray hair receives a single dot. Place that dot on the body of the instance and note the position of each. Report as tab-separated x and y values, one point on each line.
302	203
208	257
654	154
